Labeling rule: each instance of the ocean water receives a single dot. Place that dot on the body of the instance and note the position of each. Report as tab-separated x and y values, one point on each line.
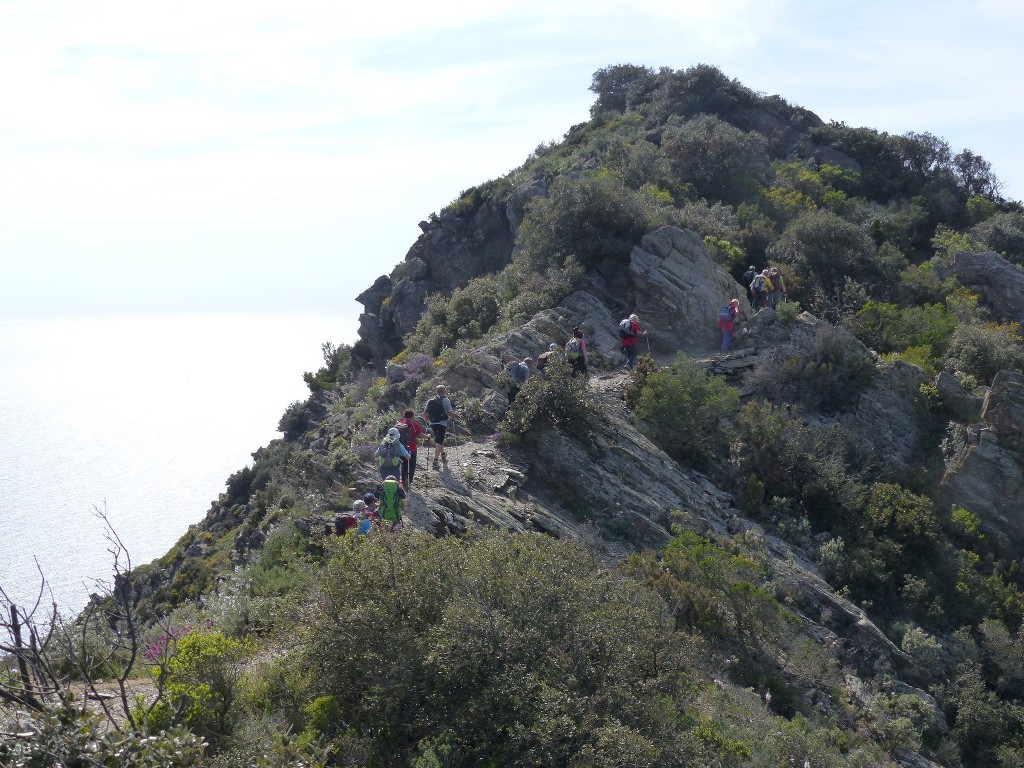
143	417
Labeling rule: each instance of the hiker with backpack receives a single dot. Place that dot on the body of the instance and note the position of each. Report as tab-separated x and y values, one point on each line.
409	429
518	373
390	454
726	322
748	278
545	358
392	502
759	287
436	413
629	332
576	351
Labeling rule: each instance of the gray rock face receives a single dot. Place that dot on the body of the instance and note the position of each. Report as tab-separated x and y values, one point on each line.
990	479
680	289
452	250
998	282
966	405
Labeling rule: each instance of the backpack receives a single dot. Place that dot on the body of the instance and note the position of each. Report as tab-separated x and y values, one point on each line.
390	506
404	433
725	314
345	523
758	284
391	456
435	410
572	348
626	329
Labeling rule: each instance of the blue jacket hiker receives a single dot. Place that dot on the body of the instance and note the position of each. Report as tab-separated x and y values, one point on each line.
390	454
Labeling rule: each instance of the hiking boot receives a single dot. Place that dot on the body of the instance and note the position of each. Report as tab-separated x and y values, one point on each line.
445	458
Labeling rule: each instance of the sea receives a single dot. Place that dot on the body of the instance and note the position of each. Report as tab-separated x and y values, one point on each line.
141	419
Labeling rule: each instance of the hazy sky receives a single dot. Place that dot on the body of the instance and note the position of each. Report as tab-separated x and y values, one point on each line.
272	156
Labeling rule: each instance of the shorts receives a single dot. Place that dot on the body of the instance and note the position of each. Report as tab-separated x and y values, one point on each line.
439	430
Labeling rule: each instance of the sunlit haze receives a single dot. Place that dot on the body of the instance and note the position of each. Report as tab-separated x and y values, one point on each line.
268	156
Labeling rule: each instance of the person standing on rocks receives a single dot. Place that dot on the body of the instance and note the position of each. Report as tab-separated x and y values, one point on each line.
437	412
576	351
545	358
409	429
748	278
633	332
727	325
778	287
518	374
758	286
390	454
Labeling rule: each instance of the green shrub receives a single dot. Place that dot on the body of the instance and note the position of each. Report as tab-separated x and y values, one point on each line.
558	400
828	378
984	350
434	646
686	409
596	219
74	736
201	682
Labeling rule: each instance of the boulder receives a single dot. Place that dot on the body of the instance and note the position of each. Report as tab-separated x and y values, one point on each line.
680	289
998	283
989	480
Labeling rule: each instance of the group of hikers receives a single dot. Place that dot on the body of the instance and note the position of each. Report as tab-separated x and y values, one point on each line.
396	463
574	354
396	455
765	288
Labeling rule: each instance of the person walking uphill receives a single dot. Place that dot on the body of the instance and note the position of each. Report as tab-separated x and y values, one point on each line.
518	374
390	454
409	429
576	351
436	413
726	323
629	332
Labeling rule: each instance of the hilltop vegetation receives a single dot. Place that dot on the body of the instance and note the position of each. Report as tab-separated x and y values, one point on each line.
670	568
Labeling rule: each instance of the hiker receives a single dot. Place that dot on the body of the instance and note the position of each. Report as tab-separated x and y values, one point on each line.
366	521
409	429
349	521
518	374
390	454
436	413
748	278
629	331
544	358
576	351
778	287
392	502
371	505
758	287
726	323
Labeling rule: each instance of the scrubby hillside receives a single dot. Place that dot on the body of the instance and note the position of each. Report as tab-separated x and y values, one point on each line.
800	551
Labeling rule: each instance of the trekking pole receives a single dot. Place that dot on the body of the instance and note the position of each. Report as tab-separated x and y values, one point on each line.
455	437
648	337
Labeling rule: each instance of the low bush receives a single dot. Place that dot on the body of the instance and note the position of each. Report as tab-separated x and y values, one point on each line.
557	400
686	409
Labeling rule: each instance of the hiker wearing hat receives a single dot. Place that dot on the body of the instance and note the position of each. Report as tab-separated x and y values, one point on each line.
436	413
629	333
544	357
371	505
390	454
727	326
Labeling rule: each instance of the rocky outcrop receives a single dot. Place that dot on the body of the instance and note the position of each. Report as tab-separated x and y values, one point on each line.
999	283
989	478
680	289
453	249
